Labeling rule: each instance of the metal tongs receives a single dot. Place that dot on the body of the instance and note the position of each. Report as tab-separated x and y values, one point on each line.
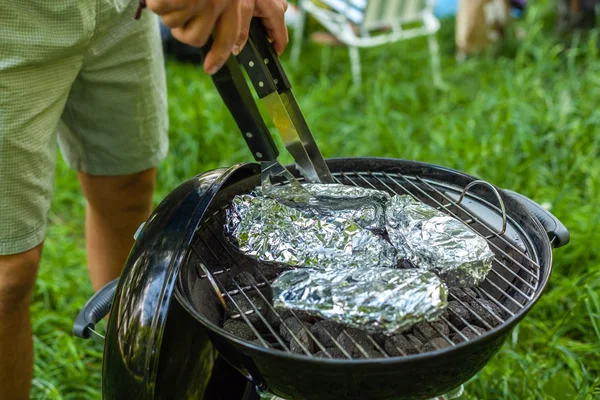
272	86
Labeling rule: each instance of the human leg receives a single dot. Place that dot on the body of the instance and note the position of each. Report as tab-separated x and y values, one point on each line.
116	206
114	133
17	279
36	72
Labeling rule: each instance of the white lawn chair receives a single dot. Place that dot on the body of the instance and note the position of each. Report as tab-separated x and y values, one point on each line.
405	19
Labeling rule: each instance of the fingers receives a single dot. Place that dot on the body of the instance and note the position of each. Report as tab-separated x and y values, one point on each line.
177	19
225	37
273	18
197	30
162	7
246	14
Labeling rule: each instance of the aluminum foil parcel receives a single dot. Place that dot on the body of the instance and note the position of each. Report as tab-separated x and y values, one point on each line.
373	299
434	241
272	231
364	206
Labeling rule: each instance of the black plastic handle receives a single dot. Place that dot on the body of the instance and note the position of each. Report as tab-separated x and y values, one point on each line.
259	37
231	85
94	310
256	68
557	232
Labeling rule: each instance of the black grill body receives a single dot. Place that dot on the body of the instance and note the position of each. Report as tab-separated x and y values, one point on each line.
166	319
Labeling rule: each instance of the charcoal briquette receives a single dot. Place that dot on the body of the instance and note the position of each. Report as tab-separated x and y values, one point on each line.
469	332
294	325
325	331
335	353
239	329
272	318
302	315
486	310
473	331
400	345
463	294
351	338
285	314
435	344
380	338
371	353
457	313
302	337
245	279
429	330
242	304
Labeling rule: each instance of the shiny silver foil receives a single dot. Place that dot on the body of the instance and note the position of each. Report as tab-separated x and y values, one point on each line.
270	231
364	206
373	299
435	241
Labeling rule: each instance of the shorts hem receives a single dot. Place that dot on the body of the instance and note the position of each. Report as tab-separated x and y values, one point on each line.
23	243
121	169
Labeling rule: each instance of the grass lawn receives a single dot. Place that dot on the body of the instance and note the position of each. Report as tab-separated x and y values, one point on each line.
525	118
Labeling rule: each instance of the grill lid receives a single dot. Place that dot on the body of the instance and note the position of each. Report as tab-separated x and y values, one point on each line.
143	296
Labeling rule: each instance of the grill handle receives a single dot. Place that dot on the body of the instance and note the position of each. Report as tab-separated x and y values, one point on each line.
557	232
94	310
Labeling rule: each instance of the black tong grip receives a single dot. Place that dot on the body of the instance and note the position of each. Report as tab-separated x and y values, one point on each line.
236	95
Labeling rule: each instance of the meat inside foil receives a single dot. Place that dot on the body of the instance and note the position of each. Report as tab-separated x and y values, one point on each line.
434	241
271	231
374	299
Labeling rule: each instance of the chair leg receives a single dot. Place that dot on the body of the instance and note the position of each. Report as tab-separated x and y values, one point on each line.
298	35
355	61
434	53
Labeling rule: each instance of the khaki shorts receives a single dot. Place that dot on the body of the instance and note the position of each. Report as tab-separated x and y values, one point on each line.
86	75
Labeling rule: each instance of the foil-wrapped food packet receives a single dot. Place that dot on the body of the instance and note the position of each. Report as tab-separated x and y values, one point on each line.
378	300
271	231
364	206
434	241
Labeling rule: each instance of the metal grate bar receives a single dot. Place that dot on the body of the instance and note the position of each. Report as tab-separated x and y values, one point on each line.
479	318
516	276
266	283
360	348
220	272
493	300
454	215
454	328
526	296
317	342
440	207
248	288
378	347
256	310
519	251
244	317
470	215
473	219
519	285
521	267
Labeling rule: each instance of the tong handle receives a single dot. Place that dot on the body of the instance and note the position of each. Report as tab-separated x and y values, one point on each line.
258	35
261	62
236	95
256	68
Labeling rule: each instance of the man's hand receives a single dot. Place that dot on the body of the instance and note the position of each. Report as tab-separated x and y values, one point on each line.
193	21
272	14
